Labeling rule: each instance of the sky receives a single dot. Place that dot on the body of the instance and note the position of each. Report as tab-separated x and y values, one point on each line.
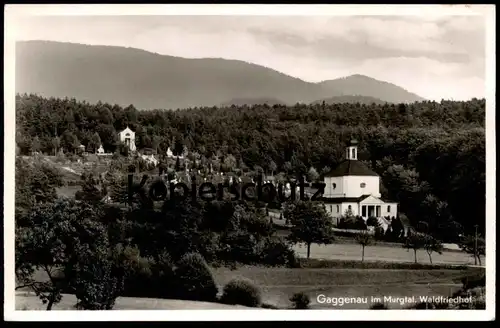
438	57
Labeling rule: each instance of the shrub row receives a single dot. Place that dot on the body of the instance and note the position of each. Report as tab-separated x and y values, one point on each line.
189	279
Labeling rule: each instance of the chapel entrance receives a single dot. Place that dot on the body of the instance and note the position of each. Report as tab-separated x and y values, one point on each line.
370	210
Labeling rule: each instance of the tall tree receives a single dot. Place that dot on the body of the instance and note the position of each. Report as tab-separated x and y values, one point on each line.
95	142
50	239
310	224
432	245
415	241
475	246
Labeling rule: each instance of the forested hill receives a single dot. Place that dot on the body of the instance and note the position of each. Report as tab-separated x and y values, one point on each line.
148	80
361	85
431	156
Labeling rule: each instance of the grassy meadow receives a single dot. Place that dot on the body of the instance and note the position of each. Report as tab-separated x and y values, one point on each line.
279	284
352	251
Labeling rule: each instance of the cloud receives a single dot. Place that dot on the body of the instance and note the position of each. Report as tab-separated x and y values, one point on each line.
433	56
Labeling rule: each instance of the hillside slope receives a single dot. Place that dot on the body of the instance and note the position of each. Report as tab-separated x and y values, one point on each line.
131	76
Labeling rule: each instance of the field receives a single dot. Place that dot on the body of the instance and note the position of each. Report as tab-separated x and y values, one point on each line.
348	251
278	284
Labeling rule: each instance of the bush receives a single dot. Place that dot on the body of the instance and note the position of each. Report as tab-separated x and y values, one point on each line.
354	223
193	278
276	252
300	301
211	246
474	281
97	283
372	222
239	246
379	233
163	277
243	292
138	274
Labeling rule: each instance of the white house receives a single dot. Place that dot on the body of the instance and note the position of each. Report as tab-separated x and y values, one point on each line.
127	137
100	150
352	186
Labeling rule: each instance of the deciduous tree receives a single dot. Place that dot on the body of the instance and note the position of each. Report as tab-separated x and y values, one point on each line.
310	224
364	239
432	245
415	241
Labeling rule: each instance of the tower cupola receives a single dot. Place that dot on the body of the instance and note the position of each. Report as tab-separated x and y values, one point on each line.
352	150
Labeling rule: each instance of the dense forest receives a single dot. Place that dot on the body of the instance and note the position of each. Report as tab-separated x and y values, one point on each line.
430	155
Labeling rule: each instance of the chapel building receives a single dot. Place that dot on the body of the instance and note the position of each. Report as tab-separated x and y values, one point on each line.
354	187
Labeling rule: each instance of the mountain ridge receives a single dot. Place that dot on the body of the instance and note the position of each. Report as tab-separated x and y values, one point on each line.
351	99
148	80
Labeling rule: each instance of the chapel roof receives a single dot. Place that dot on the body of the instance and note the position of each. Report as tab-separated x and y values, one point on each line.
339	200
351	167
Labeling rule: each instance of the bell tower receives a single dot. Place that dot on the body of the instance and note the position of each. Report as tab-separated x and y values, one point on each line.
352	150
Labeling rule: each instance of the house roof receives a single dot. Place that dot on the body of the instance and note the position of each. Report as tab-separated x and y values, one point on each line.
351	167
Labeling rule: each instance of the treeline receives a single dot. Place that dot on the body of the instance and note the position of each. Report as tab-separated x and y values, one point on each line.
430	155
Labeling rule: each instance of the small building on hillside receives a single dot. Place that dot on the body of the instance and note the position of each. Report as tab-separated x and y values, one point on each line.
354	187
127	137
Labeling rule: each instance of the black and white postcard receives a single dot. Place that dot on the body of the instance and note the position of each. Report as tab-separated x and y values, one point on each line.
165	160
